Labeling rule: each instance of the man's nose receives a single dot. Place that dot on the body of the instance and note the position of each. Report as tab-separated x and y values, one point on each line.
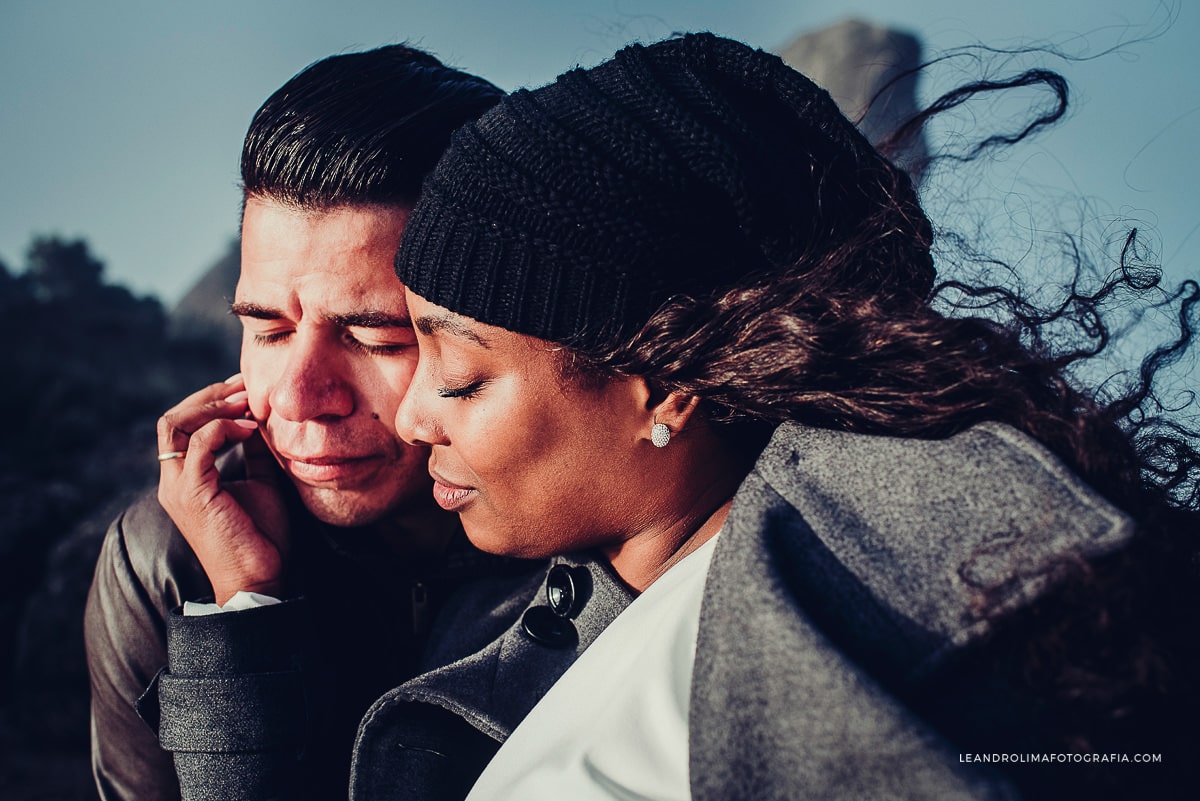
313	384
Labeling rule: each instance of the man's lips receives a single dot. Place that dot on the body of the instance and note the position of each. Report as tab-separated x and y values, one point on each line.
451	496
329	469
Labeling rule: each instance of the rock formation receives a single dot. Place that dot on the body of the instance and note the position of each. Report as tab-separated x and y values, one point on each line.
868	69
203	313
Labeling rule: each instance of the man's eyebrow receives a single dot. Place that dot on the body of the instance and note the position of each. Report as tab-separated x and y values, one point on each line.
370	319
362	319
452	324
242	309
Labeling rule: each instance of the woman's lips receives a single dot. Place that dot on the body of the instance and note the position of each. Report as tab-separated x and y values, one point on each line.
450	496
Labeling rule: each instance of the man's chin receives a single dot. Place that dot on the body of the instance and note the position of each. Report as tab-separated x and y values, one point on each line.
348	509
343	509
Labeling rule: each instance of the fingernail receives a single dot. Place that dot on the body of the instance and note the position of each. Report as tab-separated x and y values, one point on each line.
237	397
246	423
233	378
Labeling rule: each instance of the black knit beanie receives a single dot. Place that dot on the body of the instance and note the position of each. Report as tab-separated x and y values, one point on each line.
573	212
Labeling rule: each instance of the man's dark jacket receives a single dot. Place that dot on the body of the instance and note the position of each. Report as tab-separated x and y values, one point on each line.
359	632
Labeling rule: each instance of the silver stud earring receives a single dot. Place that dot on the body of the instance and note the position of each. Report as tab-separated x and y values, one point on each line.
660	435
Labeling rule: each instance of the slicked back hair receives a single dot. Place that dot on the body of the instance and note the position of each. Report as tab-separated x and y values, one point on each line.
359	128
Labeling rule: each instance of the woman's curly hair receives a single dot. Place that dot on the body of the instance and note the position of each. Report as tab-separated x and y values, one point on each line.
1111	659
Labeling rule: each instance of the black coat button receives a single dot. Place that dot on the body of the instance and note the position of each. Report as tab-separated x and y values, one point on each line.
561	592
547	628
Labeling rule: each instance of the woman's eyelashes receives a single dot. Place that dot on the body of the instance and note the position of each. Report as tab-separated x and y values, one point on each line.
469	390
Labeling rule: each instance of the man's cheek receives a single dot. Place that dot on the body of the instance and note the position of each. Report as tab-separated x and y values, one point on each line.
382	385
400	377
258	399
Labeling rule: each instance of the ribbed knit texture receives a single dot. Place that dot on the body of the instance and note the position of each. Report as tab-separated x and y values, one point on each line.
574	211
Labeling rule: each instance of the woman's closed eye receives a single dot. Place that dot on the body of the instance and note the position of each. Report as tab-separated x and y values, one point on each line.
469	390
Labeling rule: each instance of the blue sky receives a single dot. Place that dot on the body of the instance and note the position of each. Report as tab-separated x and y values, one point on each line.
122	121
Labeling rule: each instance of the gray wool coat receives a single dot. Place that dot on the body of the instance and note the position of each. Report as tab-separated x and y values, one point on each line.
849	571
849	574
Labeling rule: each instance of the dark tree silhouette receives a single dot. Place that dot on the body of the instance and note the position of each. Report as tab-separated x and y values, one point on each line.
89	367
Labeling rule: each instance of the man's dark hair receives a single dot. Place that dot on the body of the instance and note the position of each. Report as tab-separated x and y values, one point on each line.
359	128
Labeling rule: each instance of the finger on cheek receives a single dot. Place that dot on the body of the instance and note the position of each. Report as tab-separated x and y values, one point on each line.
216	435
239	398
231	386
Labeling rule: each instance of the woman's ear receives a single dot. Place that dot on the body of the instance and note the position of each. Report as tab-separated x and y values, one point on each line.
669	415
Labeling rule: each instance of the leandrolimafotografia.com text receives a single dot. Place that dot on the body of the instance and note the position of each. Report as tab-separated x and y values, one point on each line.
995	758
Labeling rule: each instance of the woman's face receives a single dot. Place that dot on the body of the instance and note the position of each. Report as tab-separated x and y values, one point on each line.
534	463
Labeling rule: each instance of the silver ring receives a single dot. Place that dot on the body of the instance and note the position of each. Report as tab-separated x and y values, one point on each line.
169	455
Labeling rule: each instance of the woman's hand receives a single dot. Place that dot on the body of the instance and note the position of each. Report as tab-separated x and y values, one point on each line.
237	529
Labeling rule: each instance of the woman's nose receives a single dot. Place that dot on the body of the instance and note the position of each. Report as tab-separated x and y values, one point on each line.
415	422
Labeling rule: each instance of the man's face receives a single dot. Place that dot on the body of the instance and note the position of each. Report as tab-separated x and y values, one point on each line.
327	354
